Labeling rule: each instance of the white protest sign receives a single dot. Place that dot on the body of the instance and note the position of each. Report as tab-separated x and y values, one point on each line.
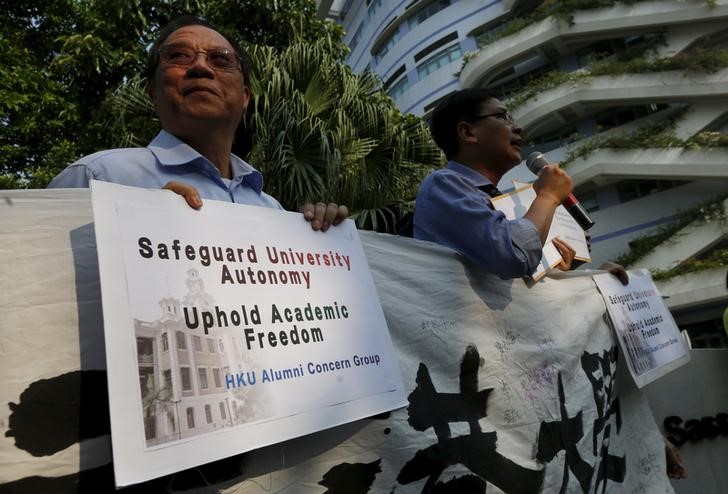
515	204
231	328
645	329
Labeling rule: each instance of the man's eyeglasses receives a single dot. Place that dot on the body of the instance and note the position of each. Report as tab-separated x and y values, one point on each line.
501	115
183	56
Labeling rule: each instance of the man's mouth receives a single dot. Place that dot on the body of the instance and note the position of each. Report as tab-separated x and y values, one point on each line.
199	89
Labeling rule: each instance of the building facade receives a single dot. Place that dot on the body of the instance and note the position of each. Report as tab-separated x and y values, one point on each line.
189	380
632	97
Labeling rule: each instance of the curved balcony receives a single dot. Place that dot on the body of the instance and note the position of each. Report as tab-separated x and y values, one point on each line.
610	165
562	104
550	37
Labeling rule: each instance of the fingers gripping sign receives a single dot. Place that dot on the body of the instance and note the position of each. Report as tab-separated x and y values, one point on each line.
322	216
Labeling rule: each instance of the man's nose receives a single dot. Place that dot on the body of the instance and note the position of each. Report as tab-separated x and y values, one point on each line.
200	65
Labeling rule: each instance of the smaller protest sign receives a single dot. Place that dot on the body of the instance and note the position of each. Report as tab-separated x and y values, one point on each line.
563	226
645	329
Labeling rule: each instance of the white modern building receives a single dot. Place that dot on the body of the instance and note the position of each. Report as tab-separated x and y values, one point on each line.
617	86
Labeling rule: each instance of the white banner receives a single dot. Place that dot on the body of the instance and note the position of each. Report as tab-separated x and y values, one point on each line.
510	388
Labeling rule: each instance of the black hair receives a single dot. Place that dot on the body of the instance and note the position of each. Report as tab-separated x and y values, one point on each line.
460	106
191	20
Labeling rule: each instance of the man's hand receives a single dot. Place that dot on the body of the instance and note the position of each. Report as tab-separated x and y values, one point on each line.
322	216
552	187
567	254
617	270
675	466
553	183
187	191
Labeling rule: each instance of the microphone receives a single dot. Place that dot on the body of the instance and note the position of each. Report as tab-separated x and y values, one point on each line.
535	162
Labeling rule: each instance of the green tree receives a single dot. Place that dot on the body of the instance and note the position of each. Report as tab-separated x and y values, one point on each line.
67	55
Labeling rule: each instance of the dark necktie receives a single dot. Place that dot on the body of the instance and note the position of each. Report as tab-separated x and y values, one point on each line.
490	189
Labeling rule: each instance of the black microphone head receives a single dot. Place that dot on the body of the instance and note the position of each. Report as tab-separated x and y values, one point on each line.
536	161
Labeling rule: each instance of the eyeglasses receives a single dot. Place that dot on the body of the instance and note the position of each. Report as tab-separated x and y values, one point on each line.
505	116
184	56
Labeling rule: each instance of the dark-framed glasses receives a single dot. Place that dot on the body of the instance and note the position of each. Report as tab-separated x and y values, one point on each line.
504	115
184	56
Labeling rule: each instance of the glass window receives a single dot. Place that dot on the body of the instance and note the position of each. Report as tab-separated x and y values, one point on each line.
165	342
181	341
222	410
211	345
374	7
398	88
438	60
357	37
202	372
186	381
190	418
198	343
216	377
393	39
427	12
167	379
208	414
222	348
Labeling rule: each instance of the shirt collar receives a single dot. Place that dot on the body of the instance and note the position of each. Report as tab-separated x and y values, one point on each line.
171	151
475	177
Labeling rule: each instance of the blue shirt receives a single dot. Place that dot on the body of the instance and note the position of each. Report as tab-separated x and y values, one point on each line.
452	211
167	158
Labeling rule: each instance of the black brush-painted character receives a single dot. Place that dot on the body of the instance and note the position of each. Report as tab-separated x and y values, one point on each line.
564	435
351	478
610	467
476	451
603	388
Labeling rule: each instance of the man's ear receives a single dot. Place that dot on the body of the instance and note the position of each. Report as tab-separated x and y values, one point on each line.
152	93
246	98
465	132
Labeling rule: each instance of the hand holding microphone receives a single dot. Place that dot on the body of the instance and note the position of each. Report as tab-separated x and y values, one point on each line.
552	180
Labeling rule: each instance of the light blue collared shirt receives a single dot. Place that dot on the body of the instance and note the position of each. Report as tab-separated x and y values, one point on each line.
452	211
167	158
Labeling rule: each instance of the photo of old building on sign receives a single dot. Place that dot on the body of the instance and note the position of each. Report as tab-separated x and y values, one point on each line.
182	372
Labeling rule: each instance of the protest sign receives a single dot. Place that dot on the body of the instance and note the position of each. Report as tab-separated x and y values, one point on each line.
645	329
515	204
231	328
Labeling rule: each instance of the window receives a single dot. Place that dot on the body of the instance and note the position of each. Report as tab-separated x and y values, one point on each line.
167	375
379	55
356	38
211	345
434	63
198	343
629	190
222	348
208	414
202	372
186	381
427	12
374	7
216	377
181	341
589	202
222	410
399	88
165	342
190	418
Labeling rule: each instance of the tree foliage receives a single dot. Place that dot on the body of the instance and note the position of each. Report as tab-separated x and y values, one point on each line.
65	56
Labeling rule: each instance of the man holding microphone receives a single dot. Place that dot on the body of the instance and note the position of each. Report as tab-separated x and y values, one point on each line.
482	143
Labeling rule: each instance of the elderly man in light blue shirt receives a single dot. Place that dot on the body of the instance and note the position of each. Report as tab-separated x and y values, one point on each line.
453	206
197	83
